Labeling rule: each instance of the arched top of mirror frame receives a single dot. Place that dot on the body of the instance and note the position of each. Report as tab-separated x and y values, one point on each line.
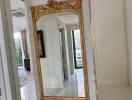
56	6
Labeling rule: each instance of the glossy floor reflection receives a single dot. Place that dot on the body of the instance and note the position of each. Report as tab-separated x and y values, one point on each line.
27	84
73	87
24	76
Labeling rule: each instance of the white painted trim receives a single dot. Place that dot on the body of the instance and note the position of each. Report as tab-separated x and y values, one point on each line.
2	78
8	53
31	46
4	59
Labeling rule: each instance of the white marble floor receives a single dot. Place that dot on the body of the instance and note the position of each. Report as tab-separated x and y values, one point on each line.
115	93
24	76
73	87
27	84
104	93
28	91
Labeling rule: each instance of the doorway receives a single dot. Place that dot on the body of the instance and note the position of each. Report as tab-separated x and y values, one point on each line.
70	45
19	54
23	62
23	54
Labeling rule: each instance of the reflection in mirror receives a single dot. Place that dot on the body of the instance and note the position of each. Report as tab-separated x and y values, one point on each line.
62	67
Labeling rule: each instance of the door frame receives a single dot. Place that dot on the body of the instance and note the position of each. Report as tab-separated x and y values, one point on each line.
8	52
3	94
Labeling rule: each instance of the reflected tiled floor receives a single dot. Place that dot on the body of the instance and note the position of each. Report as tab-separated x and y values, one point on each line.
73	87
80	81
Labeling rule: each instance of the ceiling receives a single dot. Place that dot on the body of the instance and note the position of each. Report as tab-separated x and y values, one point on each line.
69	19
16	4
18	15
20	22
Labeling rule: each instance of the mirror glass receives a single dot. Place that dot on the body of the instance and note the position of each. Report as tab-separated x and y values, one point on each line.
61	54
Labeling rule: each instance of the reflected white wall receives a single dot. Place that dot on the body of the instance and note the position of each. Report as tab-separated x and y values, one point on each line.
51	65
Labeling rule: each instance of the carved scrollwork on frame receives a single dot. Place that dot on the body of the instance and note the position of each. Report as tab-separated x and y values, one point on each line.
54	6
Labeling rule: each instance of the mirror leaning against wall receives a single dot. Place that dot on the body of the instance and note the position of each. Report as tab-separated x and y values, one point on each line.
60	50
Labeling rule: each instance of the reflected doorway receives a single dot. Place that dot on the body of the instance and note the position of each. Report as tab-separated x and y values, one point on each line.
77	49
18	46
73	82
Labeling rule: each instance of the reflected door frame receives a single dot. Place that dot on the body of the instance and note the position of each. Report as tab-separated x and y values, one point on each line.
64	61
2	83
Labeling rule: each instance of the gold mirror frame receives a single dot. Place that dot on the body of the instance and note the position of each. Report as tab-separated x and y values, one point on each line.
53	6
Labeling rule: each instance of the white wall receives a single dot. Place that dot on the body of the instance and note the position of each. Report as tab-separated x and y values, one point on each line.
110	42
128	8
16	4
19	23
51	65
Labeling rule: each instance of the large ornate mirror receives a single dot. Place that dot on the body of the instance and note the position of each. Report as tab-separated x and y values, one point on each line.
60	50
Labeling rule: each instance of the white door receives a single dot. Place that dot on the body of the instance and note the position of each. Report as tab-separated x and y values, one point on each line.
2	82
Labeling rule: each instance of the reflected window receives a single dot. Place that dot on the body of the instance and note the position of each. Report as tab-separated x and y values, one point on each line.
18	46
77	48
